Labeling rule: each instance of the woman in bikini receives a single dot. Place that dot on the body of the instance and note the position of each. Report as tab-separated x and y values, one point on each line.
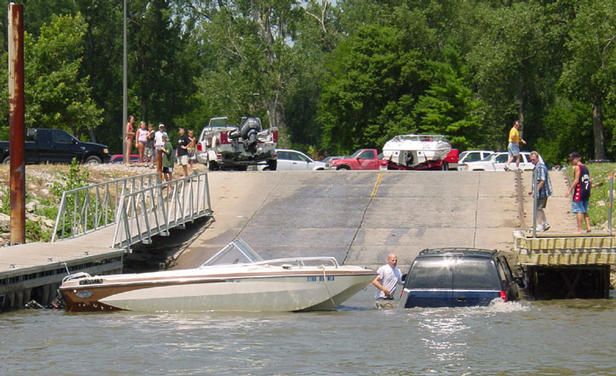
142	140
130	136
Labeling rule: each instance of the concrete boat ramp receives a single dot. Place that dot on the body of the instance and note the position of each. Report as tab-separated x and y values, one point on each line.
358	216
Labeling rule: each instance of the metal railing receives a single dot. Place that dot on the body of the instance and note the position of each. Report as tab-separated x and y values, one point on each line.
86	209
156	209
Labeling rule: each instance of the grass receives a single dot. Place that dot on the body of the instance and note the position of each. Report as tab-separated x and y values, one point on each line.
598	207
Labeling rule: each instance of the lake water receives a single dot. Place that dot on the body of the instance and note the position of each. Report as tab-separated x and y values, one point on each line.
564	337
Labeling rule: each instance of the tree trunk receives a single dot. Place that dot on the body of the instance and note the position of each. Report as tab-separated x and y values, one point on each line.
597	129
521	105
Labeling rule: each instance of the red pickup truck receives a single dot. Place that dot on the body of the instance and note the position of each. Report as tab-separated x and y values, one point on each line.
362	159
368	159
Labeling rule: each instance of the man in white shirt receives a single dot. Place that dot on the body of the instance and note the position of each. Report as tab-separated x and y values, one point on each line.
386	282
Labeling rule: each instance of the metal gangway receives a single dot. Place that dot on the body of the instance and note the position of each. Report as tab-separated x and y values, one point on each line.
131	210
154	210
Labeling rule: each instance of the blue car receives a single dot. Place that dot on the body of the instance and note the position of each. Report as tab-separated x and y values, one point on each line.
458	277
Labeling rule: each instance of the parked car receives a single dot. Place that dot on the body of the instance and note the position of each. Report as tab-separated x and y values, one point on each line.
362	159
472	156
296	160
119	158
458	277
498	160
57	146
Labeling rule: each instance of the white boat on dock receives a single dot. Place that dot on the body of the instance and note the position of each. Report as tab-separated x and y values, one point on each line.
411	150
234	279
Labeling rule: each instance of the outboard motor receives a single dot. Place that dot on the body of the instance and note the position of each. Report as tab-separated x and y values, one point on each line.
249	130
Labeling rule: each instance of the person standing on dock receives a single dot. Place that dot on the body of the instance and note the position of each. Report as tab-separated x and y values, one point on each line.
182	150
514	145
386	282
543	188
167	158
580	186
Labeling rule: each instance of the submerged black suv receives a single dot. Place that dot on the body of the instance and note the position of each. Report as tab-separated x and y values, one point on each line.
455	277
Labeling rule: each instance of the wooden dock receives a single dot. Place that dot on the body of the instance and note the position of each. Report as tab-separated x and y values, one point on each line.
34	271
560	266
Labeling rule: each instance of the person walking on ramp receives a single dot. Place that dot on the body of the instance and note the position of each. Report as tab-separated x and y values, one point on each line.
514	145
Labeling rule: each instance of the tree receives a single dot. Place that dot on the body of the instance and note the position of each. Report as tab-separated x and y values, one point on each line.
511	58
448	107
373	83
253	55
590	74
55	94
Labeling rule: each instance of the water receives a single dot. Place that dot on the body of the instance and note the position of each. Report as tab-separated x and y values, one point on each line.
565	337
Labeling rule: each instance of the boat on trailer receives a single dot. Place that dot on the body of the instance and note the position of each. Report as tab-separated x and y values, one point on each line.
236	278
413	150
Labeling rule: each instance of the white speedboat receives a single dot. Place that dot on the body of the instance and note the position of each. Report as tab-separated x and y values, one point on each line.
234	279
411	150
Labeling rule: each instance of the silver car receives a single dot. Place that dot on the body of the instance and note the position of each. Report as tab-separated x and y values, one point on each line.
497	162
296	160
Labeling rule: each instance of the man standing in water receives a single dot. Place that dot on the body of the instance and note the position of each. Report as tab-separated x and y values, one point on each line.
387	280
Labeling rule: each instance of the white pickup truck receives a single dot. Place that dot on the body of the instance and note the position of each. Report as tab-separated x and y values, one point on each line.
225	146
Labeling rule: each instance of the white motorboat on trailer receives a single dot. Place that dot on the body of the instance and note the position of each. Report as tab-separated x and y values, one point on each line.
411	150
236	278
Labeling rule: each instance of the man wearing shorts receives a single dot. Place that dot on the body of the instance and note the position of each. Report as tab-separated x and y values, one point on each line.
543	188
182	150
167	152
580	186
514	145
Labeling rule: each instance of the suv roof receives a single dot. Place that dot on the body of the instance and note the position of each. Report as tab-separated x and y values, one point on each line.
469	252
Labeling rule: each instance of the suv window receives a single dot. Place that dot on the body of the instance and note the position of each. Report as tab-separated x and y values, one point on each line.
431	273
475	274
472	157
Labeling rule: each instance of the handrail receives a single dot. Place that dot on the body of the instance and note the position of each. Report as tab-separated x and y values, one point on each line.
154	210
86	209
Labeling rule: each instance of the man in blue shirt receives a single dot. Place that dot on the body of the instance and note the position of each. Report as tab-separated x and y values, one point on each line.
544	190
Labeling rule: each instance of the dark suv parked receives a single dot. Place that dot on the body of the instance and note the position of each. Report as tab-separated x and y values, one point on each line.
456	277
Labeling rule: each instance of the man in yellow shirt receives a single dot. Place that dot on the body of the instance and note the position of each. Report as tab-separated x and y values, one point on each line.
514	145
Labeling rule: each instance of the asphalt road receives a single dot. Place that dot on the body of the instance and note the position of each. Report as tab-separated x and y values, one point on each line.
360	216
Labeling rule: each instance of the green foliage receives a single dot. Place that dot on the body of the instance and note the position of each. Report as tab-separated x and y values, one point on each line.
55	94
450	108
590	74
76	177
35	232
369	93
334	75
567	128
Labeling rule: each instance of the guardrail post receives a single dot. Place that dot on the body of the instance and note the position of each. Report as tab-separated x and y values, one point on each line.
534	203
610	204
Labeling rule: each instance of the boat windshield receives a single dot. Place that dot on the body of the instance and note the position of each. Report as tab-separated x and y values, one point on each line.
236	252
422	137
218	122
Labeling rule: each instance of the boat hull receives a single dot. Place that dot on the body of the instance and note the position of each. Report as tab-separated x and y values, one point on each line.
268	293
